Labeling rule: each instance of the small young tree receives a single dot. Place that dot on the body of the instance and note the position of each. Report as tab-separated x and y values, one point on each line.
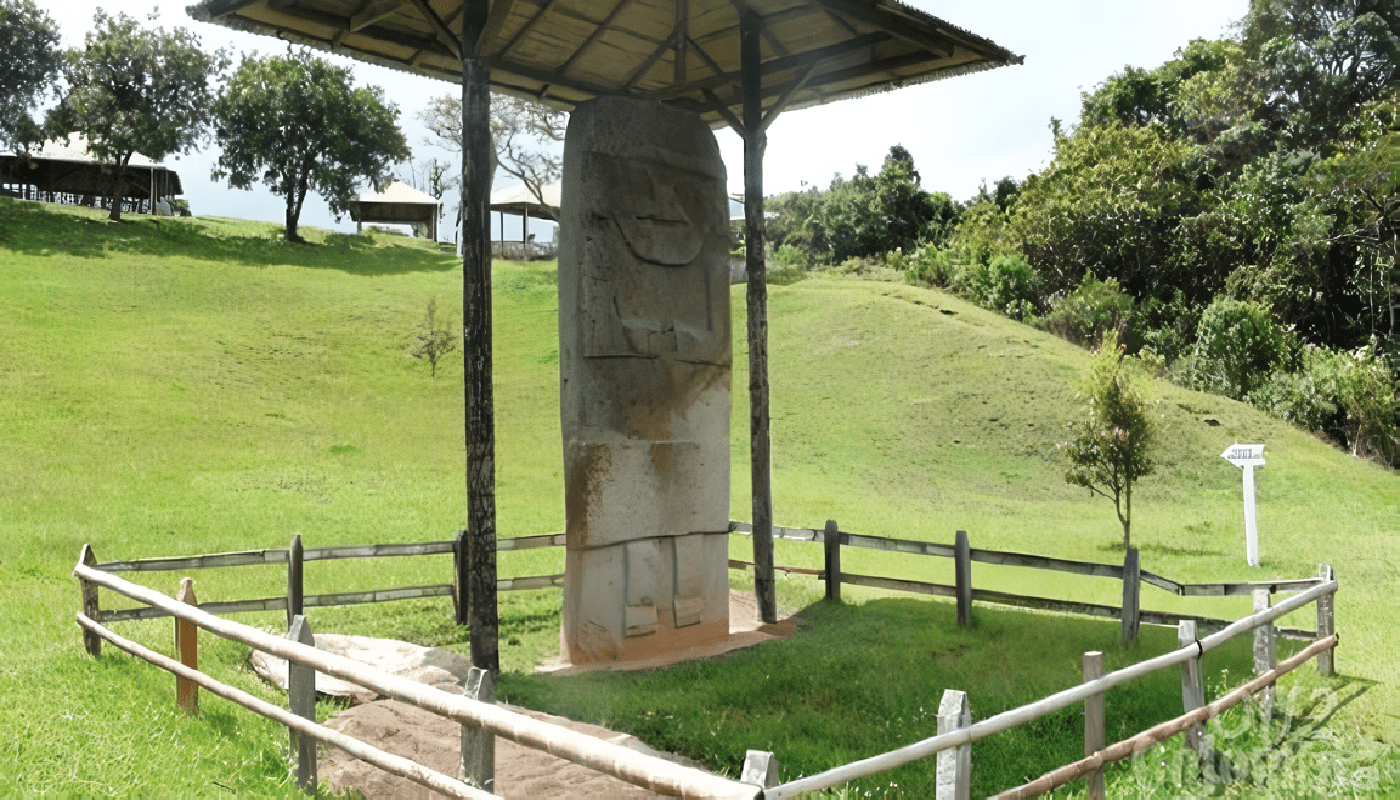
1112	447
135	90
29	59
296	123
433	341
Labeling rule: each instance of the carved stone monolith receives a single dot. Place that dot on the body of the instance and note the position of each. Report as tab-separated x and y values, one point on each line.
644	360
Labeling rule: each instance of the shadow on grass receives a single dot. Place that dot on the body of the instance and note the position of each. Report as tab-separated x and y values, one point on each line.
34	230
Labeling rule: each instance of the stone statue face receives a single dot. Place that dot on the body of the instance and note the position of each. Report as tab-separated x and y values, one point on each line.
656	281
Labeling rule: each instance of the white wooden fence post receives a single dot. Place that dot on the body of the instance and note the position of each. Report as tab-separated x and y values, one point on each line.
760	769
1095	731
479	746
301	700
1264	649
954	764
1193	689
1326	625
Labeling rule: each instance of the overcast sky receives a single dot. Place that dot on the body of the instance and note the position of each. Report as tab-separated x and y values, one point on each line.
960	131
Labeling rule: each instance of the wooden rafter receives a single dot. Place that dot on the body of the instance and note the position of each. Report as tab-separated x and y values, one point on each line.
725	111
602	27
443	33
373	12
529	23
796	61
939	42
773	43
500	12
681	37
646	65
787	94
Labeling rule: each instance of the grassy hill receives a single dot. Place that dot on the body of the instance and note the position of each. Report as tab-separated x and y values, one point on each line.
188	386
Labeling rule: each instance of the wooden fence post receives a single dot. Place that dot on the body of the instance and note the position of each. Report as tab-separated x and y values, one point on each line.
1326	625
1193	688
481	600
1264	649
962	577
1095	732
479	746
187	646
301	700
760	769
295	587
832	544
460	572
1132	584
92	643
954	778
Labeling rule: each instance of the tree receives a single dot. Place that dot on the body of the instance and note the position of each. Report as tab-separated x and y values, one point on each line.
526	137
134	90
29	60
1111	448
296	123
431	177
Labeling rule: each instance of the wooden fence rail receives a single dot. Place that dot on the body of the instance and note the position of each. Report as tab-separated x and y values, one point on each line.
649	772
1046	705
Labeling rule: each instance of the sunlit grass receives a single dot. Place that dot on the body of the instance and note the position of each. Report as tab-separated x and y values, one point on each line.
190	386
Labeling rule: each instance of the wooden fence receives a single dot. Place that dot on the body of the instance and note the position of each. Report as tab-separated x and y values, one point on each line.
956	730
479	717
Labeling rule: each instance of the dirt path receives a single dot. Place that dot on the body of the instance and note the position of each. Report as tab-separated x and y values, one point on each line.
521	772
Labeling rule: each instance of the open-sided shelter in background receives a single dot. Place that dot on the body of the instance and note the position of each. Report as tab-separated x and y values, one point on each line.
733	62
63	171
398	204
521	202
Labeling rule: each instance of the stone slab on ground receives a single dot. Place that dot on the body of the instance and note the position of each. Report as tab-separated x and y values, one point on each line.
438	668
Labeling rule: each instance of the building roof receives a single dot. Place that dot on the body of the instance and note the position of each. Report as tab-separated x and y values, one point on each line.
67	166
520	200
398	203
683	52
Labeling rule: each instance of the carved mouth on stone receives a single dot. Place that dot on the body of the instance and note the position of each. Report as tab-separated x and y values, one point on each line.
665	241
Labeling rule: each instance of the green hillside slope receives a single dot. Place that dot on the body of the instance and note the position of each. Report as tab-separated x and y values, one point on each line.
188	386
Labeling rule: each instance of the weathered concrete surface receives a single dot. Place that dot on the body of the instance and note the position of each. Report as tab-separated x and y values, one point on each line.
644	355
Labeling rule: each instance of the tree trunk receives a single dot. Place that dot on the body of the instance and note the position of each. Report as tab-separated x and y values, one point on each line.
118	185
294	204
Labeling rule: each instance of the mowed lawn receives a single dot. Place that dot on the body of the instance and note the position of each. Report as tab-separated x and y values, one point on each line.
189	386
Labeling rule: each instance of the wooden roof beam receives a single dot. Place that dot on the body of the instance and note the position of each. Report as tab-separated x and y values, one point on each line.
443	33
647	64
220	8
681	38
795	61
763	29
372	12
529	23
500	12
935	41
592	37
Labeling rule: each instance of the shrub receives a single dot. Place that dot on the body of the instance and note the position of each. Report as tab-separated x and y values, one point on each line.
1238	343
1005	284
932	265
1367	395
788	257
1095	306
1308	396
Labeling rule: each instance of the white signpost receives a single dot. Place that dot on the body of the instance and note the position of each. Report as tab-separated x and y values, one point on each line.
1248	456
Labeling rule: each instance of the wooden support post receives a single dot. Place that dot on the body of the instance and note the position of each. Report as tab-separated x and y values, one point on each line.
1132	585
1326	625
962	577
954	778
187	648
479	746
301	700
832	544
760	769
295	588
1264	649
461	562
481	601
92	643
1193	687
760	446
1095	732
476	304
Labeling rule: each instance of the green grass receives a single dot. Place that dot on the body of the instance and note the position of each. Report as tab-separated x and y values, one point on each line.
188	386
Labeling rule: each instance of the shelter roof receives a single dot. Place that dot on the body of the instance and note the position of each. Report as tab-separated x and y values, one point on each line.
399	203
65	165
520	200
683	52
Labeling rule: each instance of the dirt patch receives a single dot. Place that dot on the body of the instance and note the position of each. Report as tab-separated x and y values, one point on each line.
521	772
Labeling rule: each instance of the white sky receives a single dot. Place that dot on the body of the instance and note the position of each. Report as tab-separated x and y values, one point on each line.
960	131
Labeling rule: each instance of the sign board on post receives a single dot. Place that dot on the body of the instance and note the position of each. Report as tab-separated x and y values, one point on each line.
1247	457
